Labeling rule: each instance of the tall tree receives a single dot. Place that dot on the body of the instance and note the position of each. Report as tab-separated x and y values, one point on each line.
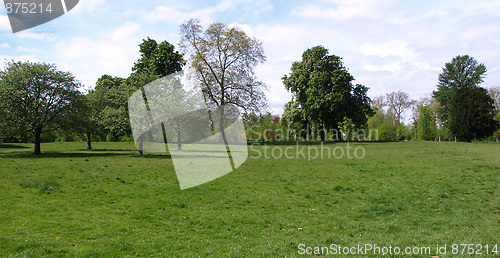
462	72
157	60
472	114
398	102
111	95
36	97
323	88
223	59
426	126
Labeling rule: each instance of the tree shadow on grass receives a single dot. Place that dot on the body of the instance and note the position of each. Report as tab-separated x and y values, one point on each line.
63	155
51	154
12	146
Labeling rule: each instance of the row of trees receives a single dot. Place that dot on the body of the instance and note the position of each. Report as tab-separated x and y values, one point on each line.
458	110
38	99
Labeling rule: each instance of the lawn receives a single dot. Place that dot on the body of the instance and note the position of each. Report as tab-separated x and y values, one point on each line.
111	202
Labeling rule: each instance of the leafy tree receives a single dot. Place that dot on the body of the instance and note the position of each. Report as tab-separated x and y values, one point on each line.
426	127
403	132
472	114
293	119
160	59
36	97
386	132
347	127
323	87
111	96
157	60
462	72
82	120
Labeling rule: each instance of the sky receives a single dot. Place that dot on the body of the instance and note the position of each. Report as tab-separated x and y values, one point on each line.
387	45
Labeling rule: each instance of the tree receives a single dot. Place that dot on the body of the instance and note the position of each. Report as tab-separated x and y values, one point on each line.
347	127
36	97
111	95
222	60
426	125
462	72
472	114
495	95
323	87
398	102
159	59
293	119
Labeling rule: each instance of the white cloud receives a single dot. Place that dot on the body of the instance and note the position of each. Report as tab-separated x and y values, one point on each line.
394	47
175	16
87	5
24	49
113	53
5	45
345	10
4	23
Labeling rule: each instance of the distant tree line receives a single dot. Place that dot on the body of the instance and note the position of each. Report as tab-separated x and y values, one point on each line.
458	110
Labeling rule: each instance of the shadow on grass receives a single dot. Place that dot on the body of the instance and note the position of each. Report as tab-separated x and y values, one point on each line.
12	146
62	155
108	150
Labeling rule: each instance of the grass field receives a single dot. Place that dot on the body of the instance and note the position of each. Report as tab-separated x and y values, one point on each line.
111	202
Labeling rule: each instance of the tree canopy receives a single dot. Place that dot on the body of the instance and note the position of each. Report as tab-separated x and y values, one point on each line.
160	59
323	88
472	114
461	72
223	59
36	97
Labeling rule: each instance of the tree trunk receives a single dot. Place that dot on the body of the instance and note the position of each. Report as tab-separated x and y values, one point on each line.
141	145
89	141
38	140
179	142
115	137
322	135
223	136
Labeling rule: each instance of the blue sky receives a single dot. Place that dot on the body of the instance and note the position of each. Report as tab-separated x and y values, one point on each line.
388	45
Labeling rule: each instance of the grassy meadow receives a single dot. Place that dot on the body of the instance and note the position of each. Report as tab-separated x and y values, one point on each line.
111	202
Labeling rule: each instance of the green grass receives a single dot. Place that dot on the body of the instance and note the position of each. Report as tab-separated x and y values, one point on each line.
110	202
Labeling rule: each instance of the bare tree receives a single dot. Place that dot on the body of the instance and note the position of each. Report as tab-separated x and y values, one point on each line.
495	95
398	102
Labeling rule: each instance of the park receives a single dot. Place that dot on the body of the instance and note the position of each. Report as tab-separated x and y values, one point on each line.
337	173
